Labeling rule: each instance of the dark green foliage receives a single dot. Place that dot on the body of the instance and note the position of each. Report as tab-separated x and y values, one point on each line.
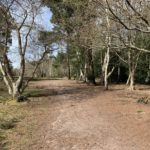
119	75
143	69
97	63
91	78
62	11
60	65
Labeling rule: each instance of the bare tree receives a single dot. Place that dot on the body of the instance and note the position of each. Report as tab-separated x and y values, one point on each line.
22	21
133	15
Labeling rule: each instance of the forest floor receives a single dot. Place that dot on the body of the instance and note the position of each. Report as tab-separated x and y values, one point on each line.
69	115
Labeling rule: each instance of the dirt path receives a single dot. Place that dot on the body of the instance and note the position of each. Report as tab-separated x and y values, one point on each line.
81	117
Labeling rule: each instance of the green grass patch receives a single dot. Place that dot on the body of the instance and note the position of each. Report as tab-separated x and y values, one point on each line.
140	111
8	123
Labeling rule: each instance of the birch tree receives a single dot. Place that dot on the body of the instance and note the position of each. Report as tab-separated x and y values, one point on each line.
133	15
134	18
22	21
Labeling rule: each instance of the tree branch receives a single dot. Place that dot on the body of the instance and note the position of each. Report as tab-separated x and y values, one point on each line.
122	23
34	70
144	19
137	48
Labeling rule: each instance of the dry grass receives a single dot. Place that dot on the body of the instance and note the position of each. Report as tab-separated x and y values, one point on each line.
16	119
3	93
12	119
11	113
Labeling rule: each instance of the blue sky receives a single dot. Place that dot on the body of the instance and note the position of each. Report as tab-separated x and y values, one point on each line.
43	20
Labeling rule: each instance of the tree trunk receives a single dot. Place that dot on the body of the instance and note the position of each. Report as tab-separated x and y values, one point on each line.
102	73
13	87
16	91
85	72
147	80
132	68
131	86
107	53
105	72
89	67
81	76
118	74
68	64
106	80
128	80
7	83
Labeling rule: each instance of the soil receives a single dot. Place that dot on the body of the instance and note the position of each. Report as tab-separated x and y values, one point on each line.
75	116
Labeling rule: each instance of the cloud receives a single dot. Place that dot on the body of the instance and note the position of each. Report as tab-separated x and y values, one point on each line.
43	19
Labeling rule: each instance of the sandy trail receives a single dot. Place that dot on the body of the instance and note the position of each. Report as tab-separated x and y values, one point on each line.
81	117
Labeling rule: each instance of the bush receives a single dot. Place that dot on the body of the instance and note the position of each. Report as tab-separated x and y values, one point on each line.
8	124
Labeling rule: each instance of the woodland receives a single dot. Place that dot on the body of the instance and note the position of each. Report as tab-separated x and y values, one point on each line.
94	39
97	50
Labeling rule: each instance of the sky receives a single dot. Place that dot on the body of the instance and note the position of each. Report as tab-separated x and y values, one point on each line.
43	20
